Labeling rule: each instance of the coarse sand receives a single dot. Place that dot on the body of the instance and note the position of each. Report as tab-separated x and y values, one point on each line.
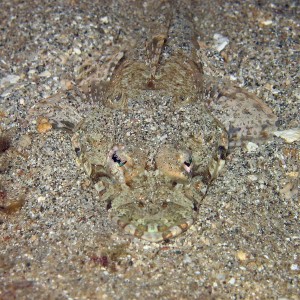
57	240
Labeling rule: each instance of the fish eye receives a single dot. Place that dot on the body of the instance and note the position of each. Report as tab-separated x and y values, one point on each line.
189	162
222	152
117	159
77	151
117	98
188	165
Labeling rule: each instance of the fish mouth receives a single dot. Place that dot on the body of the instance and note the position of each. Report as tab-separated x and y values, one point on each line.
155	232
155	215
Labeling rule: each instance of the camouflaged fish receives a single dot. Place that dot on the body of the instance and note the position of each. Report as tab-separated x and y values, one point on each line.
155	143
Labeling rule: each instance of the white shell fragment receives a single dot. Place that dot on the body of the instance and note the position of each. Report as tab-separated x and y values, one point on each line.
77	51
104	20
289	135
45	74
266	22
251	147
220	42
8	80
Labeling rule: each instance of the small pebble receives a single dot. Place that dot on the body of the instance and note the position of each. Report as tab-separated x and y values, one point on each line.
31	72
231	281
41	199
77	51
251	147
266	22
66	84
293	174
241	255
220	42
187	259
253	177
8	80
295	267
104	20
43	125
33	238
289	135
45	74
25	141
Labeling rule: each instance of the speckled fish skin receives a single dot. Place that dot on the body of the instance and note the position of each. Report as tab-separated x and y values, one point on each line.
153	148
245	117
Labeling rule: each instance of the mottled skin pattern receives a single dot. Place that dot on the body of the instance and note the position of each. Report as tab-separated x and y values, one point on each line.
153	148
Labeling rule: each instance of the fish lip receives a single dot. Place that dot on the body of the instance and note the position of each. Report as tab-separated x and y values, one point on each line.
153	235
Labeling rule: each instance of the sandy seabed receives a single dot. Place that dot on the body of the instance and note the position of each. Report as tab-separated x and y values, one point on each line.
57	240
